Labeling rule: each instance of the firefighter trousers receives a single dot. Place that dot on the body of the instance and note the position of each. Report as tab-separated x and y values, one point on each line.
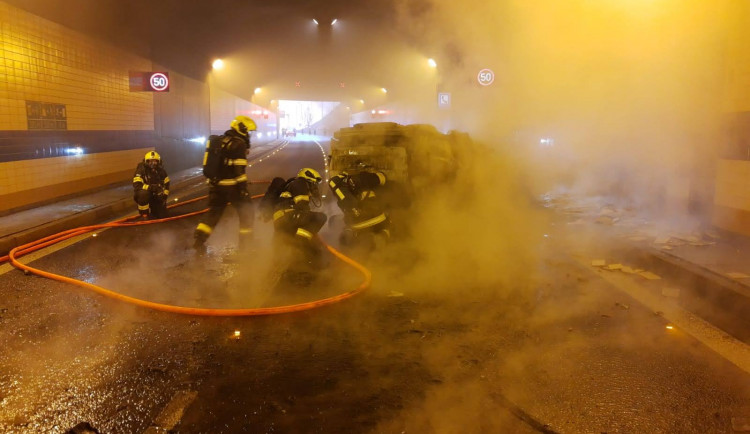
150	204
303	225
218	198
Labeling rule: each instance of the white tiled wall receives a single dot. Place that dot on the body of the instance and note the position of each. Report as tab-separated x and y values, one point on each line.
733	184
44	61
31	174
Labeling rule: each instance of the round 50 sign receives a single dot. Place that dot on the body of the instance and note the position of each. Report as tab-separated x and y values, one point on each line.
159	81
486	77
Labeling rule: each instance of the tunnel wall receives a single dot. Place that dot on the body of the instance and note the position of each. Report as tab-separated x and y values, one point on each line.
69	123
67	119
731	209
732	196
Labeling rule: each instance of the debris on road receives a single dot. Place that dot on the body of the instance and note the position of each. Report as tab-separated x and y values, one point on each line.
649	275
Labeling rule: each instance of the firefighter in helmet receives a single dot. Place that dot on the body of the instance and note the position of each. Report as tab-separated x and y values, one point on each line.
365	216
151	187
293	216
230	185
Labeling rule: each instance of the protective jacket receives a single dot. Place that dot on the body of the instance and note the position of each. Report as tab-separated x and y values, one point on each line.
294	198
292	213
154	180
356	197
235	148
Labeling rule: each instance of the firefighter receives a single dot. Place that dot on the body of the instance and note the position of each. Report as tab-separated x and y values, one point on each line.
230	185
365	216
151	187
292	215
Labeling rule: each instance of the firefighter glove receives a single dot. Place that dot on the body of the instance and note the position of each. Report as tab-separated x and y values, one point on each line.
351	183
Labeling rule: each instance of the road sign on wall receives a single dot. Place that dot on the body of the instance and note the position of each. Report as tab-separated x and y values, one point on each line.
159	81
148	81
444	100
486	77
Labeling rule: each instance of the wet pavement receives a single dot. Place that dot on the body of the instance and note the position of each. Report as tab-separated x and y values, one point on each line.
401	358
723	257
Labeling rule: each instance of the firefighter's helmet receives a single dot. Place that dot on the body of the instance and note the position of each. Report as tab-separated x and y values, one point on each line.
243	124
310	175
152	155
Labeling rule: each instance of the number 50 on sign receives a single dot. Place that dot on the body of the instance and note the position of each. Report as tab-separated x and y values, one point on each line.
486	77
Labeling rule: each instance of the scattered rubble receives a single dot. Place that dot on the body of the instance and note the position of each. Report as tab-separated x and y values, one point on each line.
602	263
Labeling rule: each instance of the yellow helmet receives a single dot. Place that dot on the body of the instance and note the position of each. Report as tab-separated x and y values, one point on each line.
310	175
242	124
152	155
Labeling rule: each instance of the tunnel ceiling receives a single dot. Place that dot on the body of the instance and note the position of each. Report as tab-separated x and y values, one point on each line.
272	45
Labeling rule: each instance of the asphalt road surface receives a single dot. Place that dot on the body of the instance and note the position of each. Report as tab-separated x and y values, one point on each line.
553	346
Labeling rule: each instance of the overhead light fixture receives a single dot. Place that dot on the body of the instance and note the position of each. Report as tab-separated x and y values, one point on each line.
257	90
218	64
361	101
432	63
384	90
334	21
315	21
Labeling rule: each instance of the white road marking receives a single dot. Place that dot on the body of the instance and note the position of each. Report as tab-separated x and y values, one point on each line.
714	338
172	413
31	257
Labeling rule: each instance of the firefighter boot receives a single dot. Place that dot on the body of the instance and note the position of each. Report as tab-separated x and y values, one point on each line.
199	245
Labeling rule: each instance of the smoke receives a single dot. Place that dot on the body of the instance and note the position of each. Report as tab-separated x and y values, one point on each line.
627	87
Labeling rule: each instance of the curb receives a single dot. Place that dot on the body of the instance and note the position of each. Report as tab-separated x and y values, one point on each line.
84	218
706	292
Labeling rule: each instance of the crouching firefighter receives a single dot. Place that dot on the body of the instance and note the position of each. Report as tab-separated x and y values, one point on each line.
151	187
364	211
289	202
225	164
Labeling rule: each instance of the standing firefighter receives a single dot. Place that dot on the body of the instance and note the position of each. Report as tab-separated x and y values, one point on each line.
292	216
151	186
224	164
365	216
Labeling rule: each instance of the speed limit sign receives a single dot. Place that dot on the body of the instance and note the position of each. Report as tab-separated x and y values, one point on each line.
159	81
486	77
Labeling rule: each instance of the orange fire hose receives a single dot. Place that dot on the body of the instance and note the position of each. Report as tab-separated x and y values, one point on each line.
19	251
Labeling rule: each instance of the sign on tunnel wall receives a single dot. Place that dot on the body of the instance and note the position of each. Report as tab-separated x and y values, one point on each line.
149	81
